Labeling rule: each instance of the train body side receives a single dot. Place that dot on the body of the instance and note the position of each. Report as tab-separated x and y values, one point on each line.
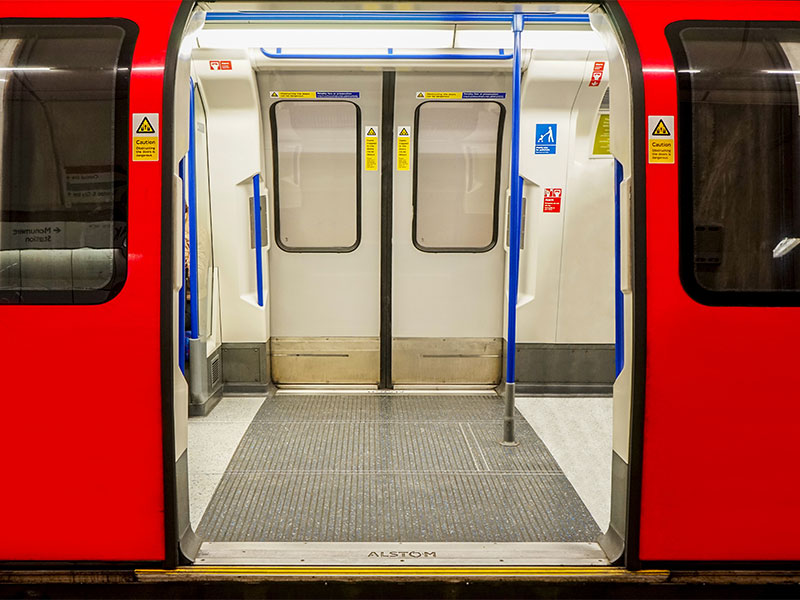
721	412
81	431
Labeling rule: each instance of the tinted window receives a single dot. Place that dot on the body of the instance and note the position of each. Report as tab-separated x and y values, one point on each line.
317	176
63	161
738	159
456	175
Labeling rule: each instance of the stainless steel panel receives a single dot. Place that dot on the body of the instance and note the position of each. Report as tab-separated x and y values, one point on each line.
245	363
446	360
309	360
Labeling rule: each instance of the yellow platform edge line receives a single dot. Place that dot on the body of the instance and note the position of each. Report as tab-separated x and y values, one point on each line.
404	571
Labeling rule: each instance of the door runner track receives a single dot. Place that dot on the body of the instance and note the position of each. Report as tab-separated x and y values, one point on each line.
360	468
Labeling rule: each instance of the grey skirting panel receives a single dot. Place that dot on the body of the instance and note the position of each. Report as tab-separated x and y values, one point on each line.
565	368
355	468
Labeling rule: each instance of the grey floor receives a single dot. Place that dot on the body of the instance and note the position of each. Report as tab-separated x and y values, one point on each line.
352	468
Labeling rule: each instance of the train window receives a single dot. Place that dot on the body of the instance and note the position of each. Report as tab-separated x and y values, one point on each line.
63	159
739	147
457	175
317	179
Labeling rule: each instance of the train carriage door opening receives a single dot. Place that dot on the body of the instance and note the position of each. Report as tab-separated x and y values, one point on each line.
383	144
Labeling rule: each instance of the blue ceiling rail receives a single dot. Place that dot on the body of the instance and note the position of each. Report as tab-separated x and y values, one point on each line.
389	56
390	17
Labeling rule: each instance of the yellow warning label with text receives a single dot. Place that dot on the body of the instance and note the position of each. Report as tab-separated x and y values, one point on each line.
439	95
305	95
661	151
371	149
602	136
145	137
403	148
661	139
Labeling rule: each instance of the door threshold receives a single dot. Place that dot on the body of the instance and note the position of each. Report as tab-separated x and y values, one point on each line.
402	553
408	390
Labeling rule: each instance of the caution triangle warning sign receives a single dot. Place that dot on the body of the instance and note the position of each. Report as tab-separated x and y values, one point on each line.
145	127
661	128
404	131
273	94
371	131
420	94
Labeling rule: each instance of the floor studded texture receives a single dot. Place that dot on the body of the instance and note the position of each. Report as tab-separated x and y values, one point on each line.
352	468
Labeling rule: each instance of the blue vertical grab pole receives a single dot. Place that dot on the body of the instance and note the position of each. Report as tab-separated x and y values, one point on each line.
194	304
182	299
619	299
514	241
257	227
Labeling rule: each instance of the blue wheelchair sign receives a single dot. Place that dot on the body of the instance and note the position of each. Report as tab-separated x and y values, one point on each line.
546	136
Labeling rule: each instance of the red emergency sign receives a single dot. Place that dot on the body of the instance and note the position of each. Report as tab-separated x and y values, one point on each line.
552	200
597	74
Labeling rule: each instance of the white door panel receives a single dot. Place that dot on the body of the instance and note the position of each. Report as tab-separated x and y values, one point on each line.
325	304
451	293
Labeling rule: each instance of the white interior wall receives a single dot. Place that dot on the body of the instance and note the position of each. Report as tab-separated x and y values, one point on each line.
235	155
621	148
567	264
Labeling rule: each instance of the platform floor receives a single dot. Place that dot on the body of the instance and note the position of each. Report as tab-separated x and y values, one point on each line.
375	467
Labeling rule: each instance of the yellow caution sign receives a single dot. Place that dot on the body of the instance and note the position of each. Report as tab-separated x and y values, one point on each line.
602	136
145	127
145	137
403	148
661	139
294	95
371	149
439	95
661	129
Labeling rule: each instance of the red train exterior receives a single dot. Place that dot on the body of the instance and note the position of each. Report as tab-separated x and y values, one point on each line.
715	411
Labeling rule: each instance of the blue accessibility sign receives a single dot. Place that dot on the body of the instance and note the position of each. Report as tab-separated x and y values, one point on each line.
546	136
328	95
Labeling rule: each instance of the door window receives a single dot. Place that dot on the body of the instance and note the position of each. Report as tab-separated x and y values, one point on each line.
317	176
64	160
457	175
739	147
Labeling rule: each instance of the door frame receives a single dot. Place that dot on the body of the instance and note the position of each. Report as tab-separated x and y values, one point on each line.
623	546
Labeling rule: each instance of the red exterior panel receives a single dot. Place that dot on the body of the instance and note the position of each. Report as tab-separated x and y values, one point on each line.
80	402
722	404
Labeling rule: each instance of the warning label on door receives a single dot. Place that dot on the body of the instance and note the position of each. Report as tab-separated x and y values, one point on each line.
145	136
552	200
403	148
371	148
660	139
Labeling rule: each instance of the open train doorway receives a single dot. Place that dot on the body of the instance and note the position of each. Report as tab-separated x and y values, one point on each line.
349	189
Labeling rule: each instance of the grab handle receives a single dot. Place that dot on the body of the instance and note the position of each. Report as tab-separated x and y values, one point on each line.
257	235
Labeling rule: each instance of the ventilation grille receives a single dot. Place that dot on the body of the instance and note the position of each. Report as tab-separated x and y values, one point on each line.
215	371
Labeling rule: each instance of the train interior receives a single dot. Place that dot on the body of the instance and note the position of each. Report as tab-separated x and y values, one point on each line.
345	182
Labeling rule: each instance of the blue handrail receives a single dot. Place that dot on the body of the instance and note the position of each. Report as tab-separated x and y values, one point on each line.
392	16
182	303
257	226
391	56
515	214
194	304
619	301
